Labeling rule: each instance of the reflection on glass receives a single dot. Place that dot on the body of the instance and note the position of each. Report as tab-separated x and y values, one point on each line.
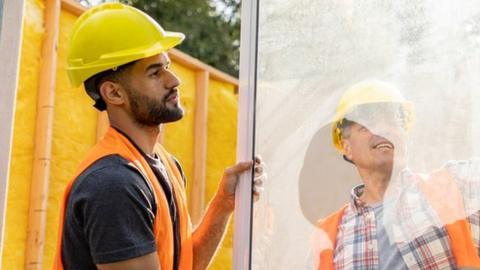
371	108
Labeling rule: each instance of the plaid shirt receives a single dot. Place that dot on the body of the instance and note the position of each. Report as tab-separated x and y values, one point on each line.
417	231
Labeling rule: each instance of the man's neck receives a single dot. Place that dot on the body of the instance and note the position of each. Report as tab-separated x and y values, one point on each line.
145	137
376	184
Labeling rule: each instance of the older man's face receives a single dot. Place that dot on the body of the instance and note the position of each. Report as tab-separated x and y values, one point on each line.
368	150
375	140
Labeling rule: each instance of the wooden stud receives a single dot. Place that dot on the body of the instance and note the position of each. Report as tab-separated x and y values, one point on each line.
37	217
195	64
73	7
197	199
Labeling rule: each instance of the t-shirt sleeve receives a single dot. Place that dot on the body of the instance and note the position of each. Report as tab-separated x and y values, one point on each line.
116	211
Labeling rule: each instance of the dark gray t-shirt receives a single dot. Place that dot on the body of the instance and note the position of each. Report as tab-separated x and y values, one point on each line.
109	215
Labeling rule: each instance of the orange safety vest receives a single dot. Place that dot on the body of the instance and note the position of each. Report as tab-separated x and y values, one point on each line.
461	243
115	143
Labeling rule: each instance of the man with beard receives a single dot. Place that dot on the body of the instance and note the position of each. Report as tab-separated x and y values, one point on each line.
126	206
396	219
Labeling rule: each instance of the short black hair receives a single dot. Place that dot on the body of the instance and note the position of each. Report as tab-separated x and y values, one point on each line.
343	125
92	84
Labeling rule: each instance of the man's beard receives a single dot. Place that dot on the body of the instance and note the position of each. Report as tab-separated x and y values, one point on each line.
147	111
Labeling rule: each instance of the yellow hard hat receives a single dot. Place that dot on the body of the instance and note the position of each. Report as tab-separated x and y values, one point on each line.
368	92
113	34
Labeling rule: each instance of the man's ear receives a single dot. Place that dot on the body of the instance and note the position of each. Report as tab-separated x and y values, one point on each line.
112	93
347	149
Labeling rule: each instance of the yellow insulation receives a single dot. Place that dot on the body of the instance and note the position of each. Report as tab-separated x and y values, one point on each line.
74	133
221	143
23	132
178	136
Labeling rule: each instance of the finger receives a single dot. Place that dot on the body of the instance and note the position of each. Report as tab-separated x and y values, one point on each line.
239	167
256	197
257	192
258	169
258	182
258	159
262	176
258	189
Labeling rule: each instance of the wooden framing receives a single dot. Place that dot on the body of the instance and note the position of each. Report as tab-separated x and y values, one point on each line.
195	64
37	217
73	7
197	199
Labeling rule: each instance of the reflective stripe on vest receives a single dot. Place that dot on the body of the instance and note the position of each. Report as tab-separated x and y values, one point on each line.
115	143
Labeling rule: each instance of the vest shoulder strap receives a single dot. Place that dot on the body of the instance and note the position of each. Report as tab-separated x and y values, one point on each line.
330	226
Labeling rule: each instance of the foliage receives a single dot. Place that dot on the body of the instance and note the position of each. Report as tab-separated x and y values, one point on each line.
212	27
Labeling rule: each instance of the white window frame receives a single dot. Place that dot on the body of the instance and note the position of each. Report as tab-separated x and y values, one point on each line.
246	134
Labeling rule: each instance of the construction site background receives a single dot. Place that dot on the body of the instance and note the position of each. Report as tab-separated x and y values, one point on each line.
76	128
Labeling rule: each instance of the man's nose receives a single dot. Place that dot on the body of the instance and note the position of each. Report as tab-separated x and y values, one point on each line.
172	80
392	134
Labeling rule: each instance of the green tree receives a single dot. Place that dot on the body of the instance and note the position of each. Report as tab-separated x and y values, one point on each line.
212	27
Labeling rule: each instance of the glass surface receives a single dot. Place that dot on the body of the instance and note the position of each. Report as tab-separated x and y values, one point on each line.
1	16
312	52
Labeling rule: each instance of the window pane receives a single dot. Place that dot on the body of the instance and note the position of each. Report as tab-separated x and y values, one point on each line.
1	15
424	54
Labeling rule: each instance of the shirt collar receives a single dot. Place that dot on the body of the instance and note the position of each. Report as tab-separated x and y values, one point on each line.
357	204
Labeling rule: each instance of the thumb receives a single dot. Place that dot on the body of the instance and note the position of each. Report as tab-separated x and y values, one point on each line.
239	167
